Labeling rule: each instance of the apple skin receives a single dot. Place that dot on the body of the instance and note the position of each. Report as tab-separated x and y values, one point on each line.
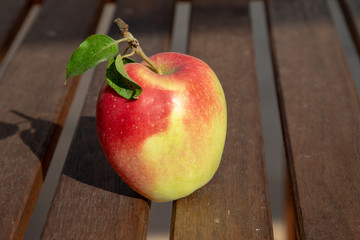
169	142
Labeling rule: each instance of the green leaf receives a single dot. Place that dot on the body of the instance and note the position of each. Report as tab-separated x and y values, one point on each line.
120	81
94	50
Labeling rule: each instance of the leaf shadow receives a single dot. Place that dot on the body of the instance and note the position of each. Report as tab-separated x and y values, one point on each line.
37	136
87	163
7	130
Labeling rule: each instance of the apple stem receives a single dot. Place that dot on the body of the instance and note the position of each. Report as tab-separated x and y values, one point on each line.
135	45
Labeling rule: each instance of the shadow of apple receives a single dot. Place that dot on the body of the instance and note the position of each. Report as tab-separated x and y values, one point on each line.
87	163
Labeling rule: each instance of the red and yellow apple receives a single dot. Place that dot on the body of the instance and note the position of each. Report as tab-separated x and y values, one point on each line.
169	142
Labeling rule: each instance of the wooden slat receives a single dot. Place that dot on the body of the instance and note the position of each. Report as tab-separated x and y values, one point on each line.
235	204
320	113
92	202
33	105
12	14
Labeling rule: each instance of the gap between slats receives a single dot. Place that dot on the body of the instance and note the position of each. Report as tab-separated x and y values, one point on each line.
28	21
270	117
347	38
21	13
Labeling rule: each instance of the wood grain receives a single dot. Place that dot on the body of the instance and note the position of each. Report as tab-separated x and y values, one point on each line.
12	14
33	106
235	204
321	119
92	202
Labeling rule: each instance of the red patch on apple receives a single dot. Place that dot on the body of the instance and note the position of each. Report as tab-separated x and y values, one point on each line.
124	124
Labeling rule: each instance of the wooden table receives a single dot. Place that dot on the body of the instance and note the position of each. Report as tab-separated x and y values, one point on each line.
316	93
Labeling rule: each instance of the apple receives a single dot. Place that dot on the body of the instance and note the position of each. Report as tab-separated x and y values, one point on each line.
161	123
169	142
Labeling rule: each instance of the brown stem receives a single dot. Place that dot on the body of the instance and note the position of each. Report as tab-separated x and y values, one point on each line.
134	44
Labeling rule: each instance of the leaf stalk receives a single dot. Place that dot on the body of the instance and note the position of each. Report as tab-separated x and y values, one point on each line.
135	45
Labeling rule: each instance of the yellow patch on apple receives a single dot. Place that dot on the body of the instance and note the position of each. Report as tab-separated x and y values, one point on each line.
179	156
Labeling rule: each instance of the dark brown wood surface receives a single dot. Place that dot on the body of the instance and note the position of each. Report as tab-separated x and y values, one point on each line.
321	119
92	202
33	106
12	15
235	204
